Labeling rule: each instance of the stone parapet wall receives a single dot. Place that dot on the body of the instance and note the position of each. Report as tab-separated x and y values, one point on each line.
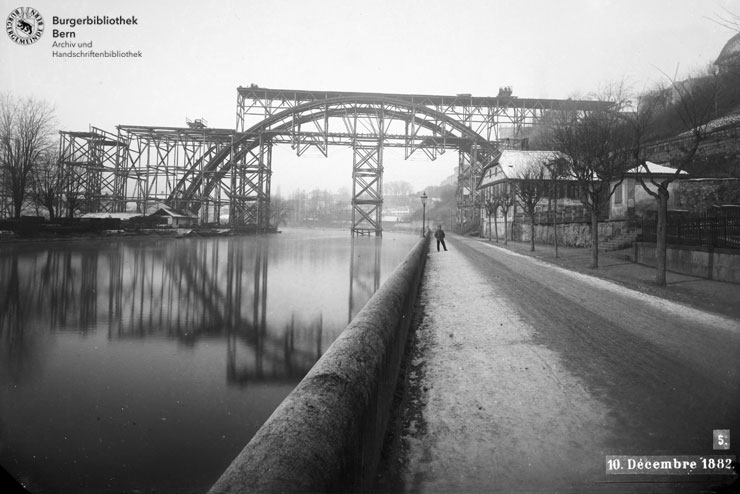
327	435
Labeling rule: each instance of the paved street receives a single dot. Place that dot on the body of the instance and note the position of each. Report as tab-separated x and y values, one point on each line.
526	375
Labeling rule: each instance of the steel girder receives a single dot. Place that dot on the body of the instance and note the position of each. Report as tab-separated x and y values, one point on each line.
155	160
249	194
201	169
367	189
89	170
367	123
487	116
470	169
499	121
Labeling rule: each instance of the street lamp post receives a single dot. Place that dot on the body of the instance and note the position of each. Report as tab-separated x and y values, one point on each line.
423	212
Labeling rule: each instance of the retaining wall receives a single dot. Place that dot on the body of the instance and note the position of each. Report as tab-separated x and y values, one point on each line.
714	264
569	234
327	435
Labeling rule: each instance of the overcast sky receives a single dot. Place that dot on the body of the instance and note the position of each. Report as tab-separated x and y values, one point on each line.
195	55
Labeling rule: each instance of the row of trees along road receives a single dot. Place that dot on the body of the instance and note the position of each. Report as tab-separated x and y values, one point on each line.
603	145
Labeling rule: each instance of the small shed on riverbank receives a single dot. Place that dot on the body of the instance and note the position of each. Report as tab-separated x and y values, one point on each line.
175	217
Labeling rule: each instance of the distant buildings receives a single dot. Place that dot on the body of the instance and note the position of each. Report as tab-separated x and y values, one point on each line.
729	57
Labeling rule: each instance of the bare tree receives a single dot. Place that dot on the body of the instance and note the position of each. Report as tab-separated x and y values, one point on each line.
529	189
599	146
492	206
694	106
74	190
279	211
558	169
47	188
728	19
26	129
398	188
506	200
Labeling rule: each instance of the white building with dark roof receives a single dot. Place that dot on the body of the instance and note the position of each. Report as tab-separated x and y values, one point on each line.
630	198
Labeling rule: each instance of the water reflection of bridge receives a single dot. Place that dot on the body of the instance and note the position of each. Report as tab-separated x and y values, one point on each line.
184	290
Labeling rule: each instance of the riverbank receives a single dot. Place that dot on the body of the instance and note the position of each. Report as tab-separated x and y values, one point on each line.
157	233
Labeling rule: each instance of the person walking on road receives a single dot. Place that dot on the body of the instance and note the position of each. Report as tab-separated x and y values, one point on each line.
440	236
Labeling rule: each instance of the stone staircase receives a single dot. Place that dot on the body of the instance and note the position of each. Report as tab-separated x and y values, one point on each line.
621	241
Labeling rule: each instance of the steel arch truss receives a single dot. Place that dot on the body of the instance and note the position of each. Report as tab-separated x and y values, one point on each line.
155	160
493	118
430	124
366	123
202	170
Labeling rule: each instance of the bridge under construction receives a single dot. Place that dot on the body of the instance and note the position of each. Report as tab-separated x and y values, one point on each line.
205	171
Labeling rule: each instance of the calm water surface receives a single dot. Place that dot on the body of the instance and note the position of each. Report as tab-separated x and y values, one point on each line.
146	365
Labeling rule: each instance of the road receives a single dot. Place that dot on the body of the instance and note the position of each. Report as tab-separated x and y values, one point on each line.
525	376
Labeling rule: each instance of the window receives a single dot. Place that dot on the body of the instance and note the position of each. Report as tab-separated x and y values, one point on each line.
618	194
570	191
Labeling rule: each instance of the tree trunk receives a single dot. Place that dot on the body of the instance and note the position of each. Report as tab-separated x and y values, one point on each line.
49	205
506	228
531	232
495	225
661	233
594	238
555	225
489	227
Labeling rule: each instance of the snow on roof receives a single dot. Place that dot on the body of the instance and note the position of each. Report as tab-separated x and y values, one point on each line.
714	179
170	211
515	164
720	123
655	169
120	216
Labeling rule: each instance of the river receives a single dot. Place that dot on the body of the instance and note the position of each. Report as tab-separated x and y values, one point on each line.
146	364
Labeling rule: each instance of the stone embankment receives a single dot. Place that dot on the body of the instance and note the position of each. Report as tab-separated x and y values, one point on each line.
327	435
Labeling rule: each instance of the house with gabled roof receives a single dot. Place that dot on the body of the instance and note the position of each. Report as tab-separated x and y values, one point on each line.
175	217
499	178
512	165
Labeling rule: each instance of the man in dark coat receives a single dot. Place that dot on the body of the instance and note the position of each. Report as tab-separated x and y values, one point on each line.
440	236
